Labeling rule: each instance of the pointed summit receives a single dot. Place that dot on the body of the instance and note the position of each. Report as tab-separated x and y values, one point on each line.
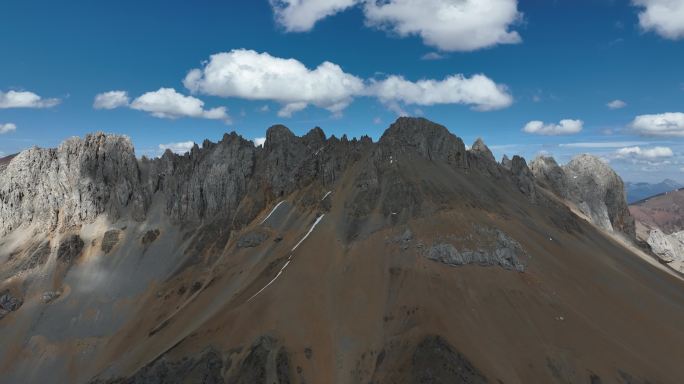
481	148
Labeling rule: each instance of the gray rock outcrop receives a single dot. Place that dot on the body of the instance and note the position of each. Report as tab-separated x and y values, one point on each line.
110	240
70	249
8	303
252	239
497	248
592	186
434	360
50	296
668	248
205	368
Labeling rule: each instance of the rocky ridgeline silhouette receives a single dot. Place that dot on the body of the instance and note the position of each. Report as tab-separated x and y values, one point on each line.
233	180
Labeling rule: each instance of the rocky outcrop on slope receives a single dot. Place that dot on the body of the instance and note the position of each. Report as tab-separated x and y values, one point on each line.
592	186
70	249
205	368
668	248
495	248
252	239
110	240
266	361
435	361
8	303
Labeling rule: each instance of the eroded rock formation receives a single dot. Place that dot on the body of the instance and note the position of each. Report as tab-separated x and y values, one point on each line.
592	186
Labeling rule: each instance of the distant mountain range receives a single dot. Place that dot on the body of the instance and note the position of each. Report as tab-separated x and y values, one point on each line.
639	191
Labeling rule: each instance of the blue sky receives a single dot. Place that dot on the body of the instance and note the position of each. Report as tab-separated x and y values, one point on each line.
550	66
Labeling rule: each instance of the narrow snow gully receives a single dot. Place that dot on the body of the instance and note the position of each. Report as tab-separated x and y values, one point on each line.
326	195
289	259
273	210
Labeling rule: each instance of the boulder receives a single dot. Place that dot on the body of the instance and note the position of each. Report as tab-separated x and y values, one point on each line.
110	240
70	249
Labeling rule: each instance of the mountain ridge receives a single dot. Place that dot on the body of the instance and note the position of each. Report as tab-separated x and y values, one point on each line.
322	260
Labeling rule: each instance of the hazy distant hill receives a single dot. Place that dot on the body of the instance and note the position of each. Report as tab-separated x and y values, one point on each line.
5	160
664	211
640	191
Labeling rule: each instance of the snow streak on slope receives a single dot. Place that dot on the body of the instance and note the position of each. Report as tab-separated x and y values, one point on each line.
308	233
326	195
289	259
273	210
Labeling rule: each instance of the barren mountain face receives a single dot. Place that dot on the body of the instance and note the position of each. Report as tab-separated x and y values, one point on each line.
325	260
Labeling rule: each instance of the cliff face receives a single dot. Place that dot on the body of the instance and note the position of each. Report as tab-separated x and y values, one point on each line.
74	183
592	186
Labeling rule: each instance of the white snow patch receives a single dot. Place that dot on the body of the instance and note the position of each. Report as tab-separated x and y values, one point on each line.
326	195
318	220
266	286
289	259
273	210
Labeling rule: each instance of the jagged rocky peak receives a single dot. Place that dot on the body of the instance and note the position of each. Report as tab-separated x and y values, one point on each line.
592	185
432	141
278	134
481	158
506	162
548	173
315	135
480	148
232	180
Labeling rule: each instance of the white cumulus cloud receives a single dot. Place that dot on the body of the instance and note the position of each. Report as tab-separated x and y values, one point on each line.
179	148
616	104
663	124
450	25
664	17
302	15
478	91
647	153
7	128
564	127
251	75
25	99
111	100
169	104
